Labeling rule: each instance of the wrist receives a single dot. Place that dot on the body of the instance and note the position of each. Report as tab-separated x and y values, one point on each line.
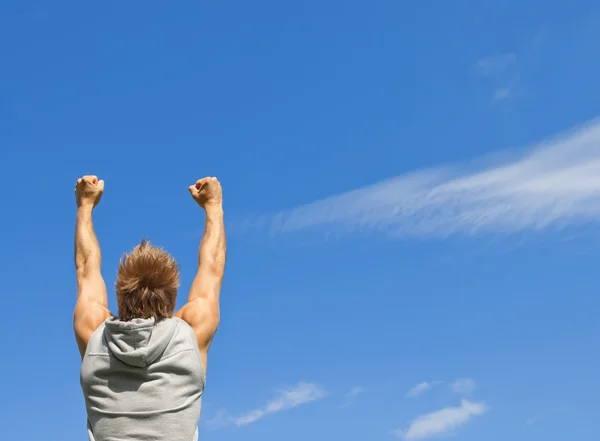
85	208
213	208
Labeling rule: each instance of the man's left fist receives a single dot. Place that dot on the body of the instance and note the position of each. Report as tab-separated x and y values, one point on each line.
88	191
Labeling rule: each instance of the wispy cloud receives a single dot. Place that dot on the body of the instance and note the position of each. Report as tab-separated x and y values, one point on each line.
493	65
501	94
357	390
463	386
219	420
502	71
552	185
441	421
508	72
420	388
285	399
531	421
351	395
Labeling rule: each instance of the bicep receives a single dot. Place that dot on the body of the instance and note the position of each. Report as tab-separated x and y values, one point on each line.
91	309
201	311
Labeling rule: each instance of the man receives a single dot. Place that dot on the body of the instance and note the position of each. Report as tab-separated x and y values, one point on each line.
143	371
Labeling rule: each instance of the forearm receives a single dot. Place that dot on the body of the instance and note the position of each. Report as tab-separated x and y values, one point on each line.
88	257
211	255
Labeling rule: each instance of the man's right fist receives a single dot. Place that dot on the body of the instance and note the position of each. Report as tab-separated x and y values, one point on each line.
207	192
88	191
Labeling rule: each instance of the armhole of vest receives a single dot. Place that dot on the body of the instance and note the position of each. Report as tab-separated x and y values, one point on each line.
97	334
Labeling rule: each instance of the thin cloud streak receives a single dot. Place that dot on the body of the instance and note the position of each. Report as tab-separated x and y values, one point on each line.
553	185
355	391
463	386
286	399
419	389
501	94
441	421
495	65
531	421
351	395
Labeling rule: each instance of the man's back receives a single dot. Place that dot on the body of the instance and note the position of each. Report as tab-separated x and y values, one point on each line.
143	380
143	374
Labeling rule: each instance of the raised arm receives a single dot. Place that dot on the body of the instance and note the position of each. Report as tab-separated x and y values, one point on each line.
91	308
201	311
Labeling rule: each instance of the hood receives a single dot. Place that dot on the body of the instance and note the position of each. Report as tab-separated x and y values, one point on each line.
139	342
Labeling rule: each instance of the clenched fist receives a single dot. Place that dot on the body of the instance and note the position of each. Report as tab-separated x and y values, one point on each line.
88	191
207	192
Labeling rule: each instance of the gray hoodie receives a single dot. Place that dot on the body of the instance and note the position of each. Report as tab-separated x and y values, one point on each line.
143	380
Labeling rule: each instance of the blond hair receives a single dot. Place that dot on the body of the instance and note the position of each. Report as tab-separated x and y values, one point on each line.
147	283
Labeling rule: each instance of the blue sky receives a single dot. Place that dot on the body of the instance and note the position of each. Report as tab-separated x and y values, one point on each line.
412	196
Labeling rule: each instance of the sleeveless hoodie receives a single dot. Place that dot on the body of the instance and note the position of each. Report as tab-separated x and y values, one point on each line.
143	380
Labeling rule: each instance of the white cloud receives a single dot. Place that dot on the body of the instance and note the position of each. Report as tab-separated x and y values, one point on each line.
351	395
441	421
555	184
495	65
508	73
463	386
502	94
501	71
357	390
218	420
286	399
419	389
531	421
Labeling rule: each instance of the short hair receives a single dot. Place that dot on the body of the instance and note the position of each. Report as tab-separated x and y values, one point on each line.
147	282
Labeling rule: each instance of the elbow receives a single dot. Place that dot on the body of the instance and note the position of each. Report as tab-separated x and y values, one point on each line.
215	268
80	271
86	269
